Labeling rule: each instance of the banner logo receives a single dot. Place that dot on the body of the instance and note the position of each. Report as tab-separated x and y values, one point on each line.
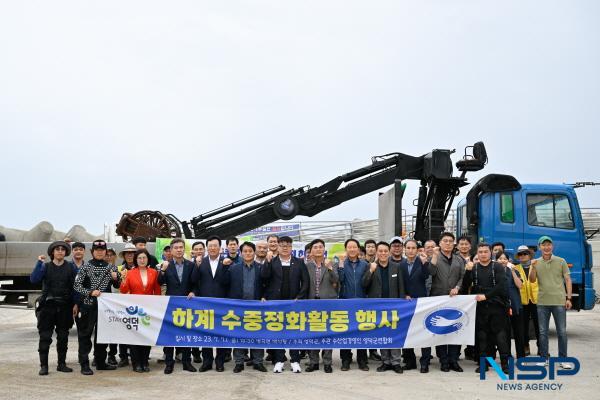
137	315
445	321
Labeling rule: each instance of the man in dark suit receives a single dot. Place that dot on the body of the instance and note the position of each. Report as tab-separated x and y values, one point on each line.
415	272
243	281
286	278
208	280
198	251
384	279
177	275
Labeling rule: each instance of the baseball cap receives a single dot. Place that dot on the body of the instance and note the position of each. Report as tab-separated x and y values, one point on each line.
98	244
544	239
396	239
523	249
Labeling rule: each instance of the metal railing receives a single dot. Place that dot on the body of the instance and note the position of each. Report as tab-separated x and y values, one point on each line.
591	220
338	231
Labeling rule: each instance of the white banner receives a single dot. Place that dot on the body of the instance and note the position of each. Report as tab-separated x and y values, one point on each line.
351	323
442	320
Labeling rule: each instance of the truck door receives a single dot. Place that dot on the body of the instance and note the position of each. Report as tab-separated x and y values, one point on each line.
509	216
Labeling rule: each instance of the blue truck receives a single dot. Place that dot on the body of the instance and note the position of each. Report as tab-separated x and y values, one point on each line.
500	209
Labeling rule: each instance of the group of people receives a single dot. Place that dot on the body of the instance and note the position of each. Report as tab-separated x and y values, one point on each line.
508	296
512	297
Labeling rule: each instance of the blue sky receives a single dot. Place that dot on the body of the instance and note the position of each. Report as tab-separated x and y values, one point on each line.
185	106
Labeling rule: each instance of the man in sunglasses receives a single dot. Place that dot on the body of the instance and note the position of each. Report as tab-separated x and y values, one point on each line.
92	279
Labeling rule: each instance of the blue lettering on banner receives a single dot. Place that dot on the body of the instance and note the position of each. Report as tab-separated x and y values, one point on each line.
306	324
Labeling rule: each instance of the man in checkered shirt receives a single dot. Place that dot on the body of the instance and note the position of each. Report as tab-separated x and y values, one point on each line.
91	280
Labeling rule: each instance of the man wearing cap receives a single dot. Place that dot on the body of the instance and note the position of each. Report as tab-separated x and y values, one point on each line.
529	296
77	254
140	244
166	255
56	305
91	280
552	274
397	249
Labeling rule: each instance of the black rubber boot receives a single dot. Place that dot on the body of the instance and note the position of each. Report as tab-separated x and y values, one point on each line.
104	366
43	364
85	366
62	363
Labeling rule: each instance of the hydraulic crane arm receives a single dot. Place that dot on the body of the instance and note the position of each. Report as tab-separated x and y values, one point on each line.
433	170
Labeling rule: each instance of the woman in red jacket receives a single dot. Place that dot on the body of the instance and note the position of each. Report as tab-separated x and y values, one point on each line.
140	280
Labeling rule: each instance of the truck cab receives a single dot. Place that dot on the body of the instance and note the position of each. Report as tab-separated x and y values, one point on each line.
516	214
